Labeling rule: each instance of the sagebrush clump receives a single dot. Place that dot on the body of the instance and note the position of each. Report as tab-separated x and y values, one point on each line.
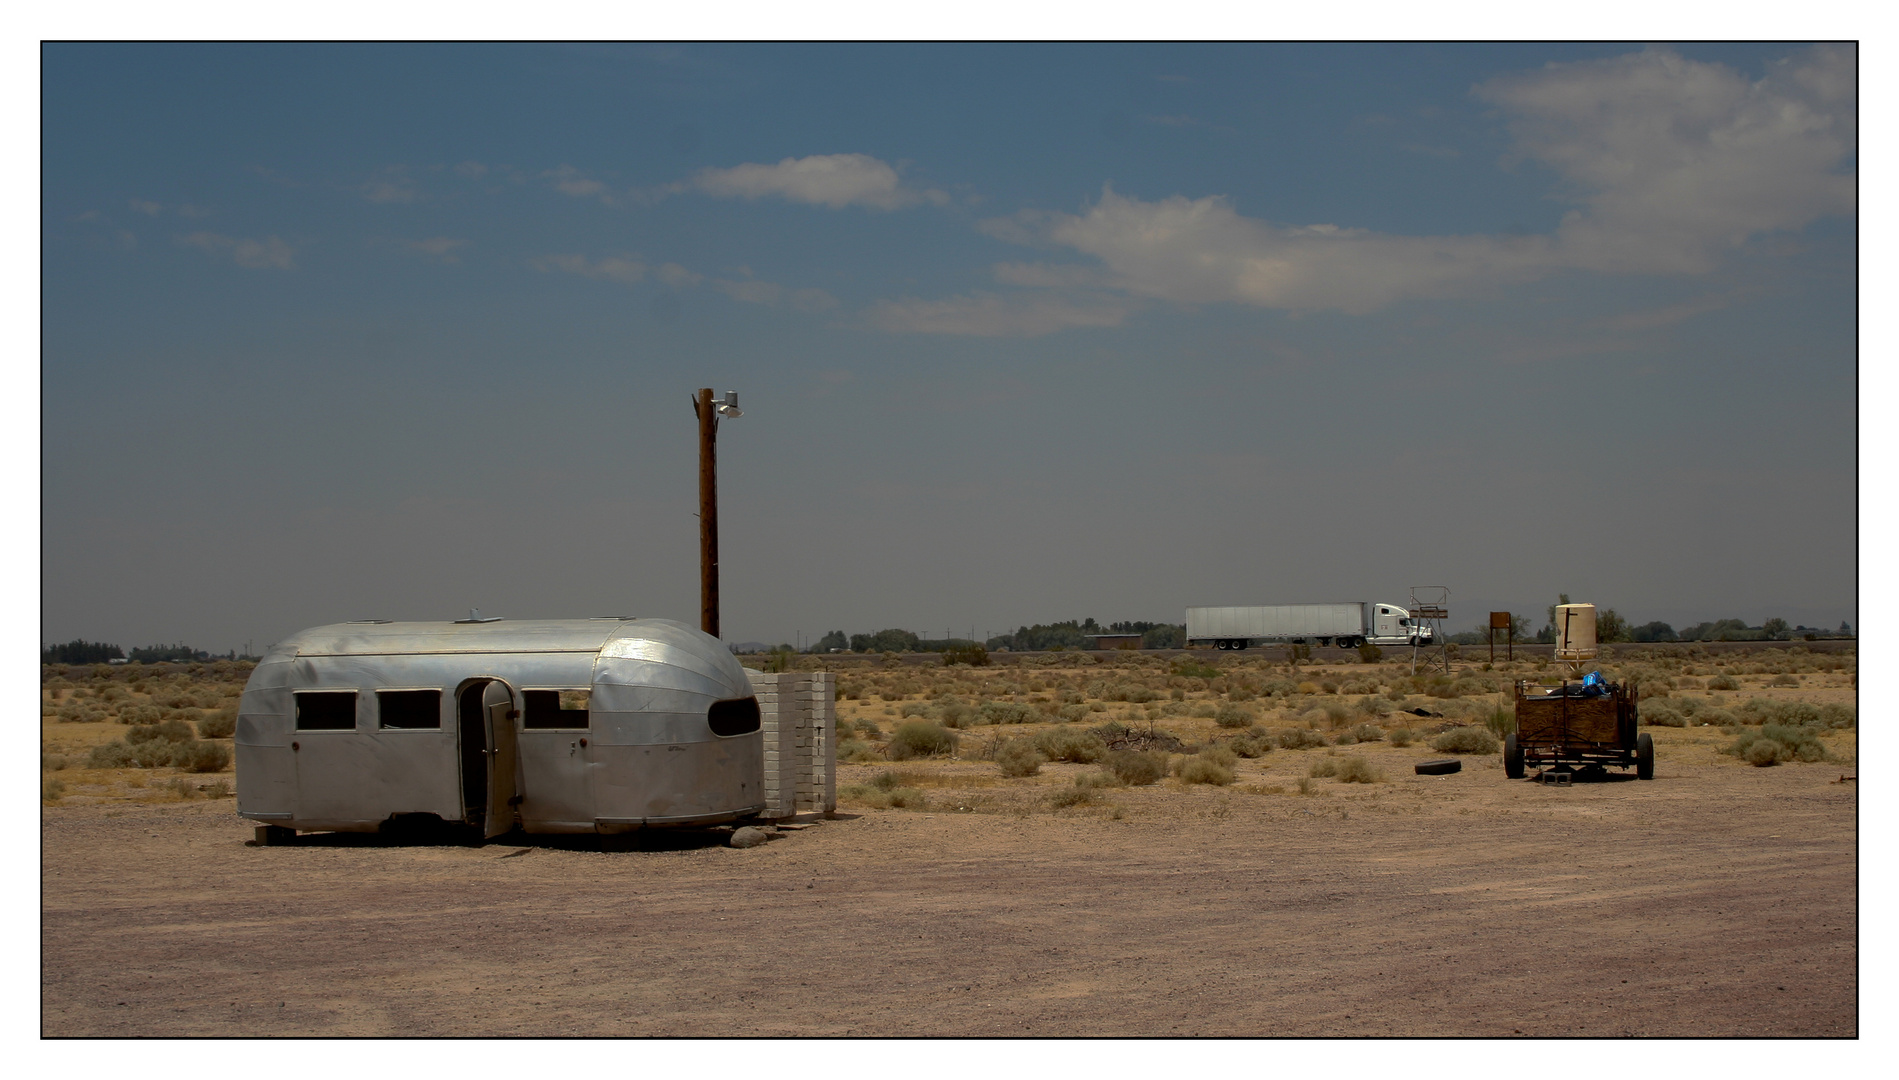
1137	768
920	738
1469	739
1018	758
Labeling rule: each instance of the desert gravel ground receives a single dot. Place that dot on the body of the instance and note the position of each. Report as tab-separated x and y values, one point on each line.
1717	900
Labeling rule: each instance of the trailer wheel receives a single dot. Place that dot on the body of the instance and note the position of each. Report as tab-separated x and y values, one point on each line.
1512	757
1645	757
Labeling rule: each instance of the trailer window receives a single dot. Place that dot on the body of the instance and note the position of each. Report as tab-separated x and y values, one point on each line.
737	717
410	708
326	710
556	708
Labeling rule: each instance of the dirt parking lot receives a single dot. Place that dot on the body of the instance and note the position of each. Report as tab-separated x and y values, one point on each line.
1717	900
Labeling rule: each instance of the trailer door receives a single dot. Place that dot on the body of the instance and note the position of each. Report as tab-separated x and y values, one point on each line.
500	709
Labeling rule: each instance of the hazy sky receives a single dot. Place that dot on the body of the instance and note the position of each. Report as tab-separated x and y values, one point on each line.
1022	333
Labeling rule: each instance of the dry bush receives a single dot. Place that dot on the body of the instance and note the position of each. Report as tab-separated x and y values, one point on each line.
1724	682
1755	711
218	725
1018	757
1775	743
1098	780
1298	738
1368	733
1063	743
1230	715
1137	768
1210	766
1252	744
1005	712
1357	770
1323	766
1062	798
1470	739
920	738
1401	736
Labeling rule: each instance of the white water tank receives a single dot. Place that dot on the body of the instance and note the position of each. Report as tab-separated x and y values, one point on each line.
1576	632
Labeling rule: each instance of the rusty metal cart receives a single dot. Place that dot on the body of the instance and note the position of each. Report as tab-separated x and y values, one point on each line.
1560	732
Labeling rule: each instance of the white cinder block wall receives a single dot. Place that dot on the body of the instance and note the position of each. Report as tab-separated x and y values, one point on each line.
797	710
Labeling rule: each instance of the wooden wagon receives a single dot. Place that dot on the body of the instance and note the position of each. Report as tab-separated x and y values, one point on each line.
1556	729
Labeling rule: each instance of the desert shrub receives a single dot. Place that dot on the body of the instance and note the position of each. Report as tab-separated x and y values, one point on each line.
1252	744
1775	743
1400	736
1370	654
1005	712
1323	766
1661	714
855	752
1359	685
1783	679
1098	780
166	731
1298	739
1279	688
1061	798
1763	752
1344	738
868	727
1204	710
1755	711
907	798
1018	757
1335	714
201	756
1071	713
1357	770
1063	743
52	789
217	789
1500	721
920	738
1230	715
1207	767
1723	682
1368	733
218	725
1469	739
914	708
1136	768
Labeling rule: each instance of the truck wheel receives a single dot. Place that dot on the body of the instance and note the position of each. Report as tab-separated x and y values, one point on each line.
1512	757
1645	757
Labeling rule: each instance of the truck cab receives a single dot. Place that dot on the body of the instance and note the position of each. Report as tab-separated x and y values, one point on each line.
1393	625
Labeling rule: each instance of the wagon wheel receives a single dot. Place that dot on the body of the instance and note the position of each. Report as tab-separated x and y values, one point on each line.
1645	757
1512	757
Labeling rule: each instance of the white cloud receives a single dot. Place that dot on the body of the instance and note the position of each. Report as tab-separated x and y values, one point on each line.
1669	162
834	180
1674	160
394	186
149	209
439	248
268	253
571	181
990	315
623	269
677	275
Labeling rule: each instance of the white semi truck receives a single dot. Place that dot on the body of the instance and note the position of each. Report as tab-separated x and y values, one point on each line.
1346	625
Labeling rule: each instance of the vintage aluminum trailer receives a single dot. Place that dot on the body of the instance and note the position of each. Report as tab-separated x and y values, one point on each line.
554	726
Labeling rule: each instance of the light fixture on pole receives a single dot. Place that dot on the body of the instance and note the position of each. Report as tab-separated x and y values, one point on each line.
708	413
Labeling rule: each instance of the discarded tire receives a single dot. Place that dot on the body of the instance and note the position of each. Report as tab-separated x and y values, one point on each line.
1437	767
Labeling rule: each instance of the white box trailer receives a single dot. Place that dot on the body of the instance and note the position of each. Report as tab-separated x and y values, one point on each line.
1346	625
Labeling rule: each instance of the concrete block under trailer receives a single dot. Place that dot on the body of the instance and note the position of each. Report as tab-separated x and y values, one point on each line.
554	726
1347	625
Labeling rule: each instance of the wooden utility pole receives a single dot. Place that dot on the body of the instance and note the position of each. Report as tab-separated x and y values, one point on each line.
708	512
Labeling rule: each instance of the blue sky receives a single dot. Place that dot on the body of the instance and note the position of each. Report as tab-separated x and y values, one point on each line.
1022	333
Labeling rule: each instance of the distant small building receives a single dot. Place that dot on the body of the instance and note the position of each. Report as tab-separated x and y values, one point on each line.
1115	641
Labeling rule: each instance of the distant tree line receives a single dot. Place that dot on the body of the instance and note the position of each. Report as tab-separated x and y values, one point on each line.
81	651
1041	637
1613	628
